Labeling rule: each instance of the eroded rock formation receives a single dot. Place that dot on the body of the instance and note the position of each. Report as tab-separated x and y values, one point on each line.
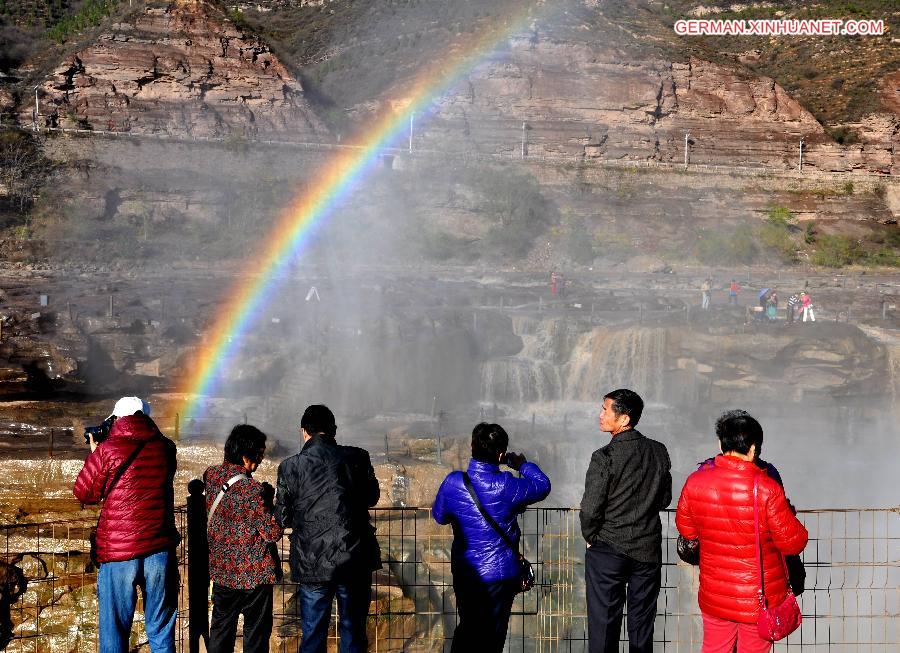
182	70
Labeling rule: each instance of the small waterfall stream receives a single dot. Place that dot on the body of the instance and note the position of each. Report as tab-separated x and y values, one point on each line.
557	363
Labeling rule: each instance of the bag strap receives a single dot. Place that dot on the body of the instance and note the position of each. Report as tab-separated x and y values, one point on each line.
121	471
762	593
490	520
225	487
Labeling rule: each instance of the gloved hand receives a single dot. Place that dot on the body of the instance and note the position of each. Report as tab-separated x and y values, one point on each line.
268	495
515	460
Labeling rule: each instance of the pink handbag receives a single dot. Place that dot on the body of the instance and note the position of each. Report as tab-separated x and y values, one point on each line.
775	623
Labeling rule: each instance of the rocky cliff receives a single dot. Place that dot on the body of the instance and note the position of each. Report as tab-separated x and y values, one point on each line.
576	99
179	70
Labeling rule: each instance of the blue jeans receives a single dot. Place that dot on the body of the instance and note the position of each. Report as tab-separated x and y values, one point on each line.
315	614
117	583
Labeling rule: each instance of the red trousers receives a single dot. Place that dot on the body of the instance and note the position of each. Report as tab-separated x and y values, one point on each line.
720	636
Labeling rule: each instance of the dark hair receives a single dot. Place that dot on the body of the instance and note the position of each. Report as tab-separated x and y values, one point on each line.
488	442
244	440
318	420
738	431
627	402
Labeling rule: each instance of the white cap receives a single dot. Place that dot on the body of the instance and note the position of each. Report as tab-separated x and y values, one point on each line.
127	406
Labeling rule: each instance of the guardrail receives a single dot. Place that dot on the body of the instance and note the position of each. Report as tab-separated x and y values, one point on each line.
508	155
852	600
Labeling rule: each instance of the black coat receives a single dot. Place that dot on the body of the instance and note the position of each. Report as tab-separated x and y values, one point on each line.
324	493
628	482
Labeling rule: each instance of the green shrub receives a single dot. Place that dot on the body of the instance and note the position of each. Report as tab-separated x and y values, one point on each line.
837	251
776	238
237	17
779	216
883	257
92	13
843	135
809	233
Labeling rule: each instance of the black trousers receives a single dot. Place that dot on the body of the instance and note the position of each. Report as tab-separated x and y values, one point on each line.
483	610
607	574
228	604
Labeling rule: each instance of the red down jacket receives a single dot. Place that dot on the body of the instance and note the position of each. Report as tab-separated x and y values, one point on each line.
138	516
716	506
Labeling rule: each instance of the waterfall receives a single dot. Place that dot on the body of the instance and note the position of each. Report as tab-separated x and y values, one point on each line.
606	359
535	373
558	363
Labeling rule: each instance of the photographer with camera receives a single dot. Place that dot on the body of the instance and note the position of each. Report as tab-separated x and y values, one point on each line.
488	569
130	471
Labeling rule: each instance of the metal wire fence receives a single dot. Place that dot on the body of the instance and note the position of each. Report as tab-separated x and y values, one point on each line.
852	600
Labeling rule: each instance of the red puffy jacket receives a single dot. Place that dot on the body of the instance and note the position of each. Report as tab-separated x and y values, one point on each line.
138	516
716	506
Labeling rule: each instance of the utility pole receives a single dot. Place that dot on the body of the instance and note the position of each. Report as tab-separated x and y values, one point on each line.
800	164
523	139
687	136
411	118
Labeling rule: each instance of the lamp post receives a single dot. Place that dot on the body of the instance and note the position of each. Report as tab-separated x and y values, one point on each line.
37	110
523	139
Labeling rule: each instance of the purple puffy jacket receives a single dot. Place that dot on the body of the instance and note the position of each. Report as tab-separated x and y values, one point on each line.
478	550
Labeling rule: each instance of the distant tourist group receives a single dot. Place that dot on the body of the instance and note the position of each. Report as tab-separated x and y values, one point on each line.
733	518
798	304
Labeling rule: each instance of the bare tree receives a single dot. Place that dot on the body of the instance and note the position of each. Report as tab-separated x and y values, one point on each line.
23	168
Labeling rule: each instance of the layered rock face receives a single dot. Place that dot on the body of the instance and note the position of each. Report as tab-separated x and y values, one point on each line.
566	98
182	70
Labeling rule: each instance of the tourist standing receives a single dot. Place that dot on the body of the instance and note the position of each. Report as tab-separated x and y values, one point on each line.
807	306
705	290
485	564
324	495
131	473
243	561
733	291
717	508
792	303
628	482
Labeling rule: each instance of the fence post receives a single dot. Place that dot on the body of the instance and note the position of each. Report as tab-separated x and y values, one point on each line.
198	567
51	443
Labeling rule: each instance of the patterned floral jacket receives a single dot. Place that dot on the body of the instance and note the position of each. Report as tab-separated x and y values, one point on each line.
241	555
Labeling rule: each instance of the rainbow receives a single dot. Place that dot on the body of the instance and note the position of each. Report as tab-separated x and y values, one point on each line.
337	177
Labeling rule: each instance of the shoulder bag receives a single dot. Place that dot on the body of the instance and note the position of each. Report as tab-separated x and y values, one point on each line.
773	623
526	572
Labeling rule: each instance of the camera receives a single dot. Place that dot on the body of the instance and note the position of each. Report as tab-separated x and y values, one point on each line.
100	432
